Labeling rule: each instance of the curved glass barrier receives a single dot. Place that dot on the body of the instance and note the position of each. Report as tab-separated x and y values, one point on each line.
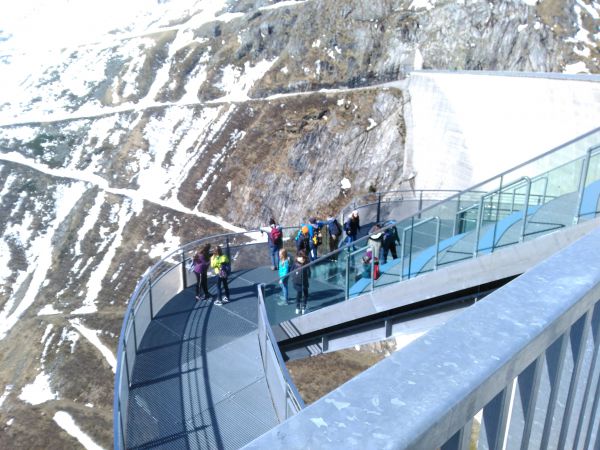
555	190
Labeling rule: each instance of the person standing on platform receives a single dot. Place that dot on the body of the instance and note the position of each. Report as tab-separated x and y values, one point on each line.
220	263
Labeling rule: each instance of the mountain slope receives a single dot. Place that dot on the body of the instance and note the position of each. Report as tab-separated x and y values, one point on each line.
201	122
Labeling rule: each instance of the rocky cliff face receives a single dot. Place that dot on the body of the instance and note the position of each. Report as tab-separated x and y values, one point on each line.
113	153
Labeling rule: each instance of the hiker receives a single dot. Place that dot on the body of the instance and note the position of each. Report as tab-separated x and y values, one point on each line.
375	240
303	239
352	227
201	264
275	239
284	268
316	237
300	276
390	239
220	263
335	231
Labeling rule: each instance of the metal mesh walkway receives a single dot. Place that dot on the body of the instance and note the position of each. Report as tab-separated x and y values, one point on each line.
198	381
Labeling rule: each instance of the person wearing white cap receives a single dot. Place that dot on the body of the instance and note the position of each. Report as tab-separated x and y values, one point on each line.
352	227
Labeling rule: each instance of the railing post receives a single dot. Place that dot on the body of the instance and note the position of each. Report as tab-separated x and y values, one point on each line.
183	269
135	341
420	204
455	225
582	177
121	426
127	362
525	211
372	269
347	290
227	251
412	237
478	226
150	297
438	228
402	254
378	207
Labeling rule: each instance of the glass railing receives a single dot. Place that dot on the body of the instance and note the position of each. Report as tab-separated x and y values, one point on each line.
552	191
163	281
381	206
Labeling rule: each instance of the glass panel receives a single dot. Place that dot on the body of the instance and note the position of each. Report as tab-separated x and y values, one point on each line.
537	197
590	204
326	286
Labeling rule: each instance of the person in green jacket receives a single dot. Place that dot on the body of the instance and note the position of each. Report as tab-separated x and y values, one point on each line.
220	263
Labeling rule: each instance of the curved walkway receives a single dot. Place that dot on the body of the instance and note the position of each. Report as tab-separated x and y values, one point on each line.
198	380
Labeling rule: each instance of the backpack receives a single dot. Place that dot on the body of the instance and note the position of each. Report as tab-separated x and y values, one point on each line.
224	270
276	236
317	238
302	242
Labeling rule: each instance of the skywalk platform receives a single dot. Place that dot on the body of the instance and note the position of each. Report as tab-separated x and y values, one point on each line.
198	381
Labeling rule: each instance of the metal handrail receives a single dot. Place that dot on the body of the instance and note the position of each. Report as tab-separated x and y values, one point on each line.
291	393
583	177
412	227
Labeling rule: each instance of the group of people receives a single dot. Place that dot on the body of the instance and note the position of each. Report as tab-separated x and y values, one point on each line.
217	261
307	241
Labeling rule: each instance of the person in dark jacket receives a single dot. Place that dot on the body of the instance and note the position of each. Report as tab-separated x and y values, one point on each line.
334	230
390	240
352	227
314	227
300	276
201	265
303	240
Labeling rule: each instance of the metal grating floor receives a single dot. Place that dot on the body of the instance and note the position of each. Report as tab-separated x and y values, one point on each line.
198	380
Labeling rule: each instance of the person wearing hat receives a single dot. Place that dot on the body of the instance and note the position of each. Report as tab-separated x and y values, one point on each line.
316	238
352	227
375	242
303	239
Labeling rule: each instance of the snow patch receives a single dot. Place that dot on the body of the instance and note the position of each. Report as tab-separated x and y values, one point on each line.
418	60
7	390
48	310
70	335
65	199
66	422
530	2
92	336
578	67
236	82
171	242
372	124
345	184
10	421
427	4
90	220
39	391
94	284
282	4
319	422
